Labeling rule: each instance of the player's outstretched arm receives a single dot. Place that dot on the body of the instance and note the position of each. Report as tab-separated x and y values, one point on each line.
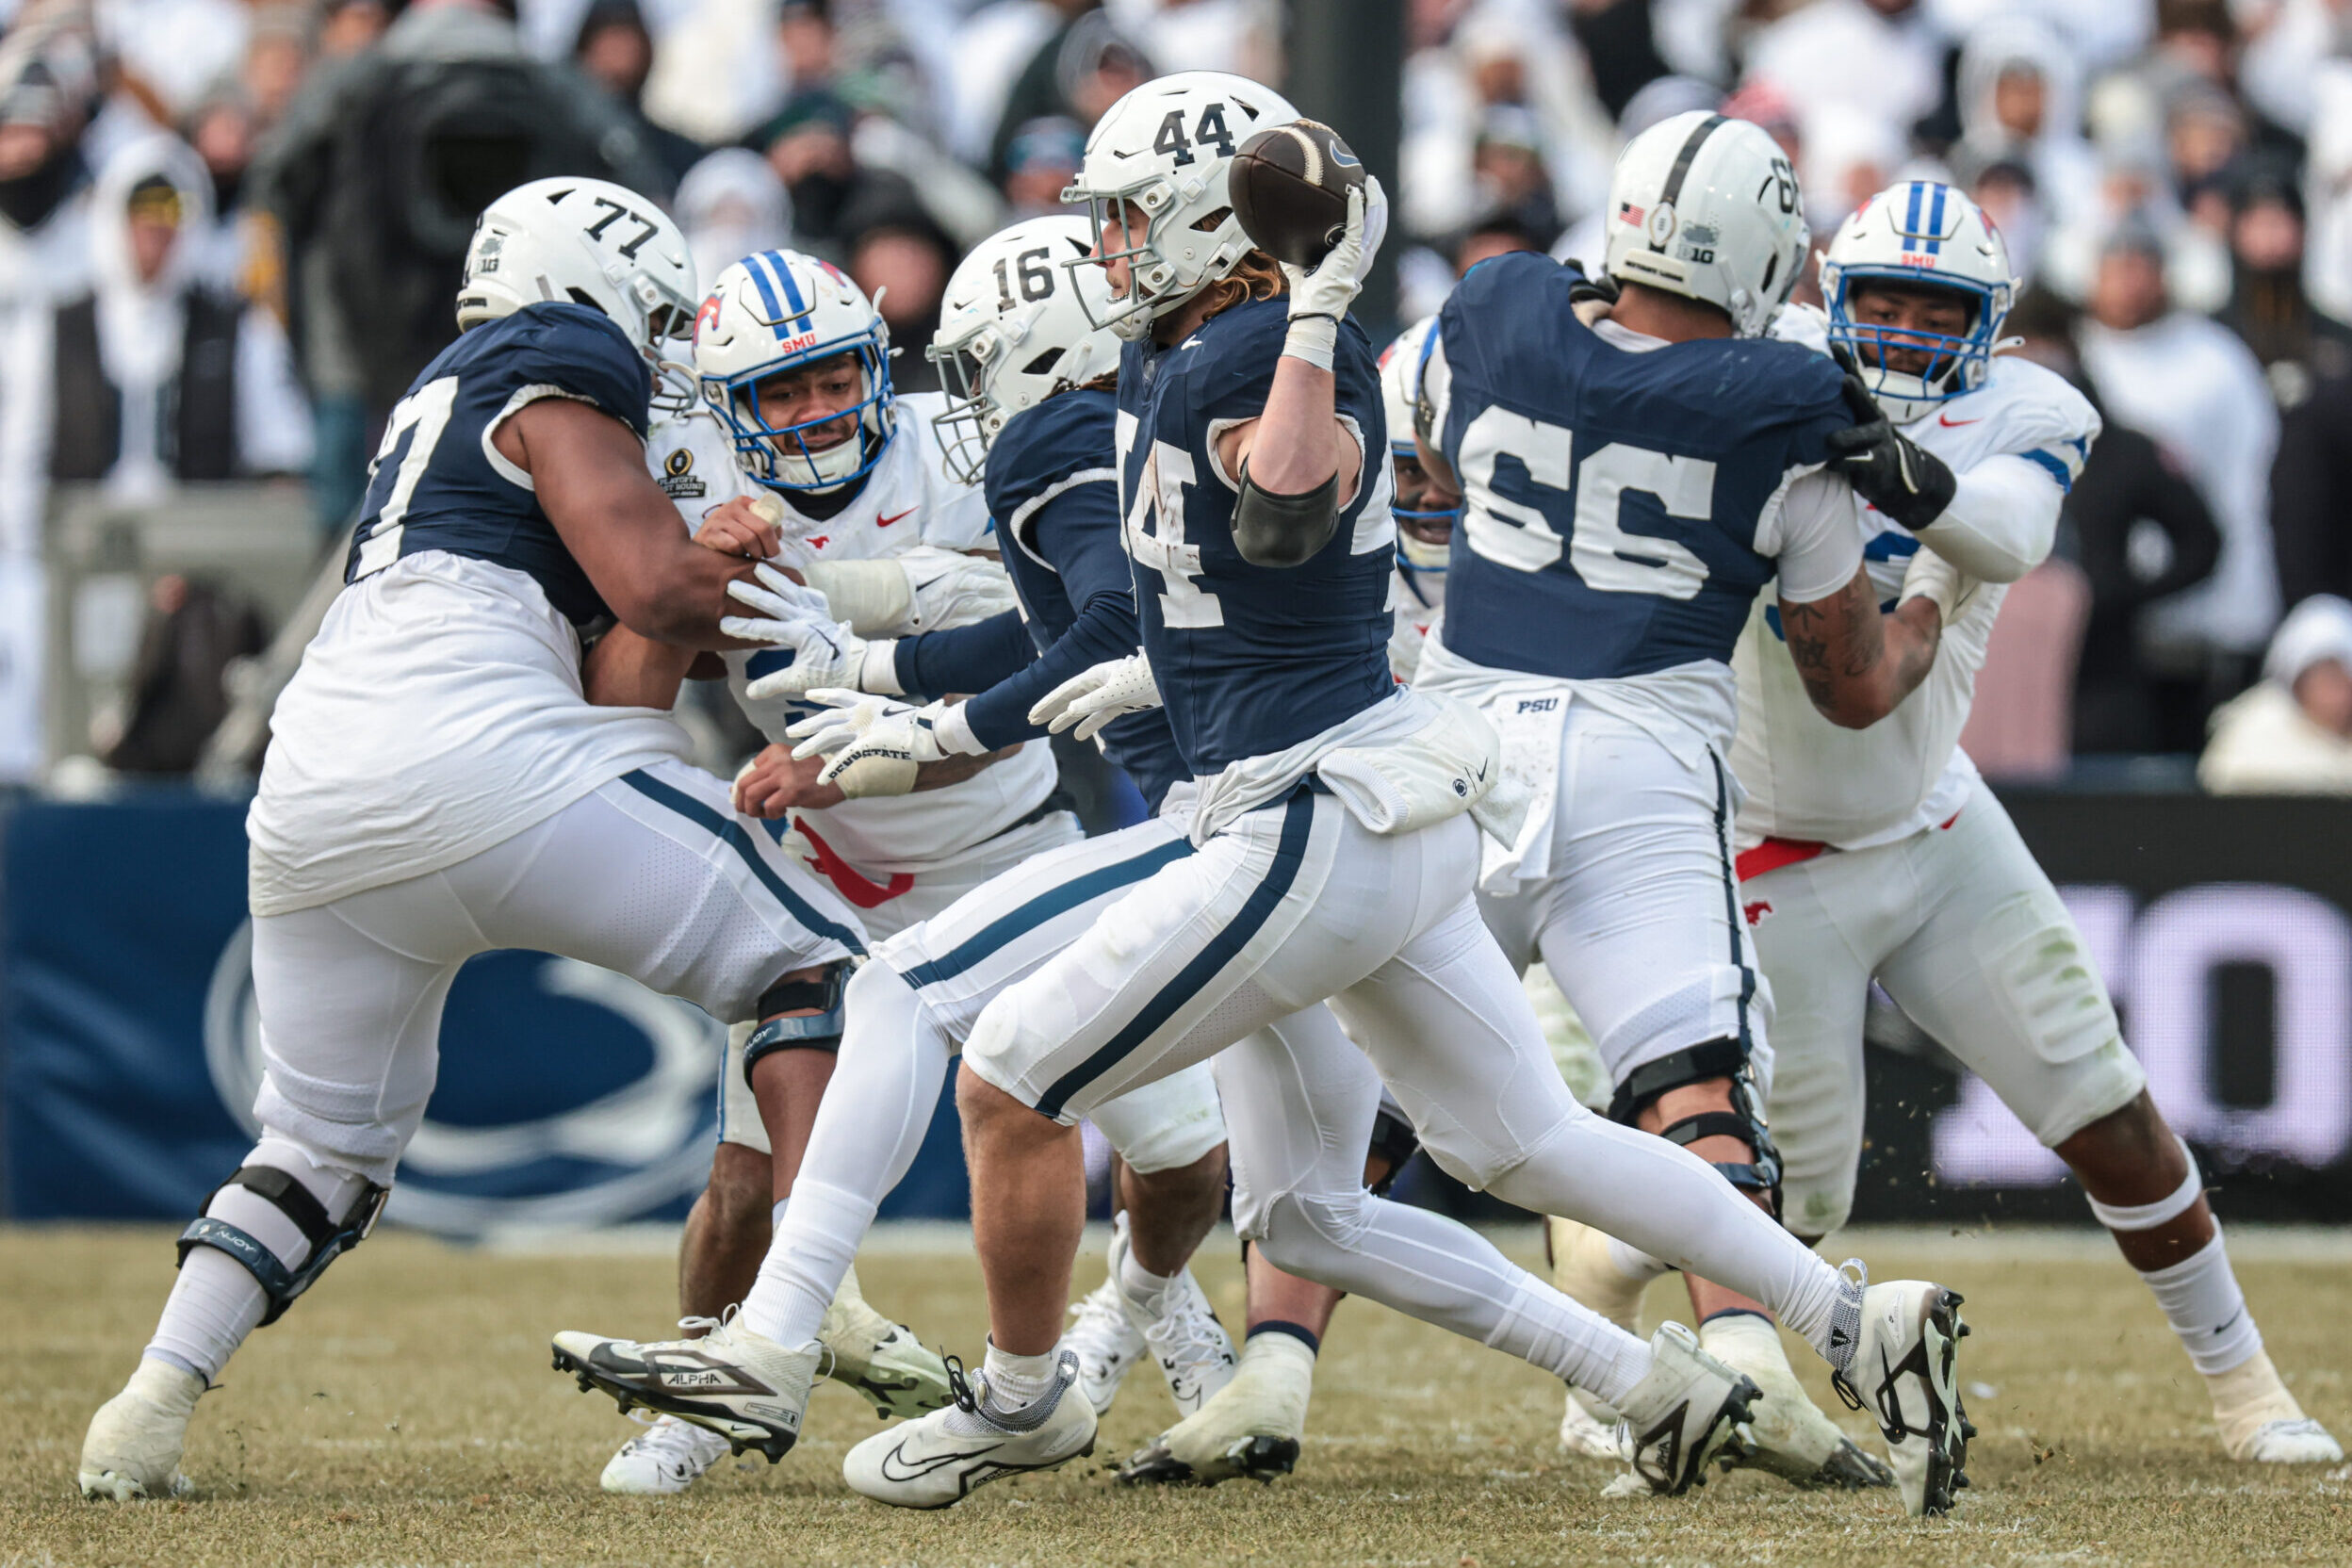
589	470
1858	663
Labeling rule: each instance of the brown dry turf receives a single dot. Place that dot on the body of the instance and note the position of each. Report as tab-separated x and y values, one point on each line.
406	1414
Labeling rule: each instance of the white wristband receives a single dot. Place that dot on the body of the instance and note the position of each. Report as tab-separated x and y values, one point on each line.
951	726
1313	338
877	668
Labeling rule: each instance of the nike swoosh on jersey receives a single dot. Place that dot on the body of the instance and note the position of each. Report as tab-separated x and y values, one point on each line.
880	521
1950	423
915	1472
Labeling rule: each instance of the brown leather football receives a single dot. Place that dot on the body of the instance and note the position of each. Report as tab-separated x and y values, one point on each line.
1289	187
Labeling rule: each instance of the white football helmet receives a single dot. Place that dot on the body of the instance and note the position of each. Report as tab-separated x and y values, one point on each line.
1919	233
1016	326
1420	545
1161	152
1708	207
780	311
589	241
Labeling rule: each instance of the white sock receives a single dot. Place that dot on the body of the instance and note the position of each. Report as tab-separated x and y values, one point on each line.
216	1301
870	1126
1016	1382
1825	1308
1138	1284
2202	1302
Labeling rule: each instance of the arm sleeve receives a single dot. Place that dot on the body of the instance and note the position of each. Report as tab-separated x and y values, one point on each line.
2002	520
1819	538
1078	530
933	664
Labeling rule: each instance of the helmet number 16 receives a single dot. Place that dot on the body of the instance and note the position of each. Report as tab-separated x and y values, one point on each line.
1035	274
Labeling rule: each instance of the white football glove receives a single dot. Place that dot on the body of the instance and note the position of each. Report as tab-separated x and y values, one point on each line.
1932	578
782	605
1320	296
955	589
827	654
1093	698
874	745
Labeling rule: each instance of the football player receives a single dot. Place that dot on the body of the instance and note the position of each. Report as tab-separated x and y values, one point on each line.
1881	856
436	786
1634	473
1327	858
1008	348
1427	512
793	361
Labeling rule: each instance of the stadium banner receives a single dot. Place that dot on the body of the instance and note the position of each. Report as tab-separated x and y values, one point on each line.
130	1049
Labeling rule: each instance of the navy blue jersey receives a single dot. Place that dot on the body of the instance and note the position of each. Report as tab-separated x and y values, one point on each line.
1054	494
1612	498
1250	659
437	483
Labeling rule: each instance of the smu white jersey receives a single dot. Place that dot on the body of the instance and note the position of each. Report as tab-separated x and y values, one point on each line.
1420	600
1809	779
908	503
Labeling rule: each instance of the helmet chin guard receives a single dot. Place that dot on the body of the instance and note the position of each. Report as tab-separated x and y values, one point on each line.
1921	234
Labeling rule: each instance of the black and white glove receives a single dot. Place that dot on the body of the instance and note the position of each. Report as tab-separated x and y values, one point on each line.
1887	469
1592	298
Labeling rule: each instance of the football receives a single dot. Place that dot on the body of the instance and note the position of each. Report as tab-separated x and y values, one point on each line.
1289	186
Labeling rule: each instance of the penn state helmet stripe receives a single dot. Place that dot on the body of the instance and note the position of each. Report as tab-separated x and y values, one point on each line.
730	832
1681	171
1290	852
1028	917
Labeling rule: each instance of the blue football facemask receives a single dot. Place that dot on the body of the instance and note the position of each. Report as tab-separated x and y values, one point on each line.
1418	557
781	457
1955	363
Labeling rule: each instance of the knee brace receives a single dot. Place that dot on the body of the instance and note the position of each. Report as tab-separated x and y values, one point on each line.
820	1030
1728	1060
1394	1141
329	1238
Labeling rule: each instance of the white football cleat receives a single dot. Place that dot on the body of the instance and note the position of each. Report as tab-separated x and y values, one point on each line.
1793	1439
1904	1374
744	1387
2260	1422
937	1458
664	1459
1181	1330
1689	1412
133	1447
1107	1345
1588	1428
880	1359
1251	1426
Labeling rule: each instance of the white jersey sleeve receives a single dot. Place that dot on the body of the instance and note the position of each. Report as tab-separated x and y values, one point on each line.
1814	537
2016	442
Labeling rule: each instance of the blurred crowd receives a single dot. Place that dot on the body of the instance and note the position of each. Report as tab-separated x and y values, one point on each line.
230	231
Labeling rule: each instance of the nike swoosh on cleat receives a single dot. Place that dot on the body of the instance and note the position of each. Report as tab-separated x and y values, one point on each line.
916	1472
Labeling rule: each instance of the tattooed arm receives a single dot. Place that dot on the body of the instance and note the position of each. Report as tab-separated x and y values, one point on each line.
1856	662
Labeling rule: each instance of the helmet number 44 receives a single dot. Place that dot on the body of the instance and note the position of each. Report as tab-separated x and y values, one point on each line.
1208	130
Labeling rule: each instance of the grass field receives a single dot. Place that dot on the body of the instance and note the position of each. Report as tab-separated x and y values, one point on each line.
404	1412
